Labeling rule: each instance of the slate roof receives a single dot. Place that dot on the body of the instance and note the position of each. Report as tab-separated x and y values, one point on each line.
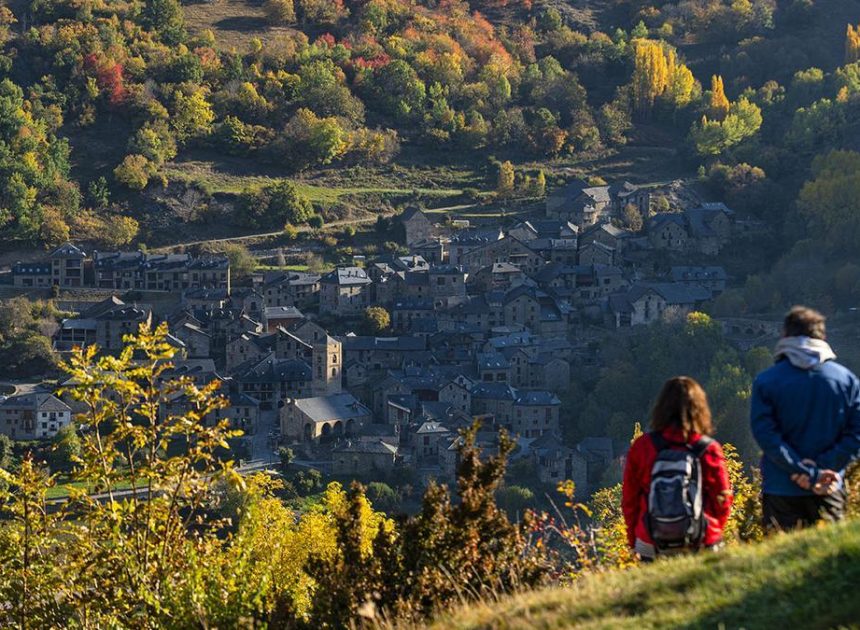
411	212
335	407
291	278
282	312
672	293
536	398
37	401
346	276
367	447
68	250
700	218
429	428
352	343
492	361
270	369
32	268
686	274
477	236
665	218
493	391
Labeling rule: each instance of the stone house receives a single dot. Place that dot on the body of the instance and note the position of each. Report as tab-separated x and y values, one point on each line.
555	462
505	250
605	234
275	317
104	323
428	439
270	380
556	250
433	251
204	299
550	372
382	353
648	303
534	413
579	203
712	278
417	227
456	395
447	284
537	229
668	231
493	367
291	288
34	416
363	457
345	292
710	227
465	241
494	399
596	253
496	277
197	341
36	275
159	272
405	314
67	266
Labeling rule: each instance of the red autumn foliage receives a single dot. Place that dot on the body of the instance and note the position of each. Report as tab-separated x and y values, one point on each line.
379	61
326	39
109	77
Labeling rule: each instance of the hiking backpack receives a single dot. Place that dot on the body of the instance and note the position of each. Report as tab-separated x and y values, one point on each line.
675	516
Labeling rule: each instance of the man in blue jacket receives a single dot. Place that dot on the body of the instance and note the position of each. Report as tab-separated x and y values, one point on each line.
805	415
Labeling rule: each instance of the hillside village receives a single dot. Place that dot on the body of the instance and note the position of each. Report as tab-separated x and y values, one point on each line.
483	322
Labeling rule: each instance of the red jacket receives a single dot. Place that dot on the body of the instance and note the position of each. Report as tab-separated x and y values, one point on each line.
716	489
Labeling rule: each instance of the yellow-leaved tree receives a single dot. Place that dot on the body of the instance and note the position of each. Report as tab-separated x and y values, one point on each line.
718	108
852	43
158	530
657	74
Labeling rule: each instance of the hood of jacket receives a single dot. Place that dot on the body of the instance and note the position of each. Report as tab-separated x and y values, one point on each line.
805	353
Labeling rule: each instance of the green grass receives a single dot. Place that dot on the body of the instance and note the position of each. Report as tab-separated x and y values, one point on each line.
805	580
221	181
282	268
61	490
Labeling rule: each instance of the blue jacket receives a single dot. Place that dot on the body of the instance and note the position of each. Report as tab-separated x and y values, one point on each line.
799	414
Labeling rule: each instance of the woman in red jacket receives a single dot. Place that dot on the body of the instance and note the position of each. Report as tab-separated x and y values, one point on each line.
680	419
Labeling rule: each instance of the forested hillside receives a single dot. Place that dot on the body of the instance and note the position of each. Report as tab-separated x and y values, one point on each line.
106	102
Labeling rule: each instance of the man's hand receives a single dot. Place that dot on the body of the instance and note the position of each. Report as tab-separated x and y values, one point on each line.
803	480
827	483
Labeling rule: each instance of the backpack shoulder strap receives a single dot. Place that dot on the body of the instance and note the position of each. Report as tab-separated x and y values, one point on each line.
701	445
660	443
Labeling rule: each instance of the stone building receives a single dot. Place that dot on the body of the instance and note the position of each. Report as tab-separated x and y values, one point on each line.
35	416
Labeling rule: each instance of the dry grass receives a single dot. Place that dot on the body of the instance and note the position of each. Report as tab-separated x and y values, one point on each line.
234	22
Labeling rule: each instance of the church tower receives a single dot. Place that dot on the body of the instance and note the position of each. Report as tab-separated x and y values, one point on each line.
327	367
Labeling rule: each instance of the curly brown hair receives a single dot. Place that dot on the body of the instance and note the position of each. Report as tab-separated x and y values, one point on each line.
682	403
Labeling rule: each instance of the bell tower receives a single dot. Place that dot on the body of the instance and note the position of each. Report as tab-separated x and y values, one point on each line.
327	367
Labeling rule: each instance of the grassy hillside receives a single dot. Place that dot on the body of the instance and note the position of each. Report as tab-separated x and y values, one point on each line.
806	579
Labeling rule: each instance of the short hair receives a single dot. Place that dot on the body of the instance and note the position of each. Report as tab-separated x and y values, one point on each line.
683	404
803	321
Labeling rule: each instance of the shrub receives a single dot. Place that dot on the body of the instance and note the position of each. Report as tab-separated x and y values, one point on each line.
280	12
134	172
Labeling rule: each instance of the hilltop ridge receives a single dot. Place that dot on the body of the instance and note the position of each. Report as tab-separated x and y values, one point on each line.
792	578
